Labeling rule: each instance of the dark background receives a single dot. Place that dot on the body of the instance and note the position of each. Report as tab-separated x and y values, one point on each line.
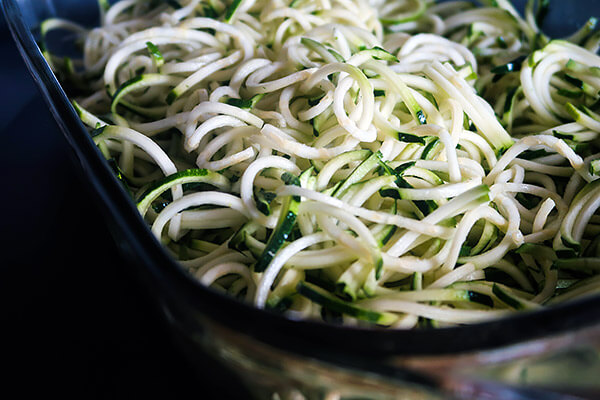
73	320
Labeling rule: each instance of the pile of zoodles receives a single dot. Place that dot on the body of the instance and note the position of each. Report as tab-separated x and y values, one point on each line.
400	163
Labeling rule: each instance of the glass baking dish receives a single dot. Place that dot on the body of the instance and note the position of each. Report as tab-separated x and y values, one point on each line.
533	355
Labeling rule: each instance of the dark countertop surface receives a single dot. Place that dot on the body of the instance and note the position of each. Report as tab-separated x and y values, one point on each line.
74	321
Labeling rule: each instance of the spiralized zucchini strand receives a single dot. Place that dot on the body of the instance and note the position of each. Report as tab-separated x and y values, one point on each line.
391	162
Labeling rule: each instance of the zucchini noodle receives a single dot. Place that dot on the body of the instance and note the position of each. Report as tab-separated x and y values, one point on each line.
397	163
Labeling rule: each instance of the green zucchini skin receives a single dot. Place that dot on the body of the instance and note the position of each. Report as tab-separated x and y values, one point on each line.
333	303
